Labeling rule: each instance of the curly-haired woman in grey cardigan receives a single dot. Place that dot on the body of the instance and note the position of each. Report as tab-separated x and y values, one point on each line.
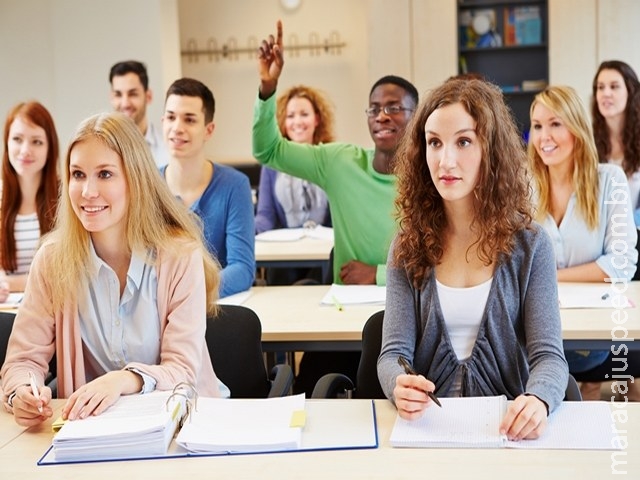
471	283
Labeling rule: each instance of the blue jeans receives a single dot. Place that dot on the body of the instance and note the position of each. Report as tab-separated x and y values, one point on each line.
584	360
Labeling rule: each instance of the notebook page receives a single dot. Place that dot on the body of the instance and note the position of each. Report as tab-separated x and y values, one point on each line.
461	422
575	426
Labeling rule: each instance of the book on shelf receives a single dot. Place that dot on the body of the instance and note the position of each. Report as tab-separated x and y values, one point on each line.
171	425
474	422
522	25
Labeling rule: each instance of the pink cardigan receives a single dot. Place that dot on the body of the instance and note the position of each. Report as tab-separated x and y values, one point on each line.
39	332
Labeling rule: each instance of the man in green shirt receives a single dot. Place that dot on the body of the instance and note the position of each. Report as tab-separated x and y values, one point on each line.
358	182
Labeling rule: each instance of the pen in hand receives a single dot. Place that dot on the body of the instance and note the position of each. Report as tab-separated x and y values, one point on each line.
34	388
410	371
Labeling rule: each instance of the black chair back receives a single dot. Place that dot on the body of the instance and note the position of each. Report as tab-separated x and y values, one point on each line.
367	383
235	346
6	325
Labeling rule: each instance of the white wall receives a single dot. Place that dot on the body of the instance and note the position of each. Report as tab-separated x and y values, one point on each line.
59	52
583	33
343	77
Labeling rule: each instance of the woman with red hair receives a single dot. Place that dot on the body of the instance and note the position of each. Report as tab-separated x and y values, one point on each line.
29	189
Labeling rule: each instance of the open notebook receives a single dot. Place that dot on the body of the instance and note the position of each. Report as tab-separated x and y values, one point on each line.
473	422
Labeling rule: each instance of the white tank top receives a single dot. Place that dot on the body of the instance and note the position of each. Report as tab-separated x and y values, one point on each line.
463	309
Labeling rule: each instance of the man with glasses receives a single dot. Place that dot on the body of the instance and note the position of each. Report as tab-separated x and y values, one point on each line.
358	181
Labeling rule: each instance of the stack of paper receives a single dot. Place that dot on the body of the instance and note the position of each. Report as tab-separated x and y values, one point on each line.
243	426
136	426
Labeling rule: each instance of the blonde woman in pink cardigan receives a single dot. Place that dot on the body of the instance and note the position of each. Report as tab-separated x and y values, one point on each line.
119	290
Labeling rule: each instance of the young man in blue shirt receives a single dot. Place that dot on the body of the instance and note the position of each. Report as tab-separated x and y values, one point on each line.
218	194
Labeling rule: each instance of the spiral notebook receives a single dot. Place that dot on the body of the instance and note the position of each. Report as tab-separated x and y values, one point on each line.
473	422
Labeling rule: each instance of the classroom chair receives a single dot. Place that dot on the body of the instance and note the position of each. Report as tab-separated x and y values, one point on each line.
234	340
6	325
367	385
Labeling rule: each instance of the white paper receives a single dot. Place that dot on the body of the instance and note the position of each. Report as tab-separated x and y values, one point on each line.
135	426
13	300
474	422
591	296
293	234
461	422
242	425
355	295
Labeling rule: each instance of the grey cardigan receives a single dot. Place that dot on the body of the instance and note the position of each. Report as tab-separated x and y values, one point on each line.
519	344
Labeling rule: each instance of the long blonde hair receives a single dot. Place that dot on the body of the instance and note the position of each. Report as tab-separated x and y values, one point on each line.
566	104
155	219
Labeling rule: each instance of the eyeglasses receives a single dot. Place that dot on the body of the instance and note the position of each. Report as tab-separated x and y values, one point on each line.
388	110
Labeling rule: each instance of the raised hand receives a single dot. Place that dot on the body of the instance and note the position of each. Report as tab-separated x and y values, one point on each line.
270	62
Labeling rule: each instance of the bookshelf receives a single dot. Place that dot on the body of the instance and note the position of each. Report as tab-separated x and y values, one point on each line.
506	42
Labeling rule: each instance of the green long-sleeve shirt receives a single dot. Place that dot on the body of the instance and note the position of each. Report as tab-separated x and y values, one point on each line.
360	199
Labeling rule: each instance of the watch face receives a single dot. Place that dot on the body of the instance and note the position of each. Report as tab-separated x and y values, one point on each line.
290	4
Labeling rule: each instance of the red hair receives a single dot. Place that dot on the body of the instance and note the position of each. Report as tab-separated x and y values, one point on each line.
47	195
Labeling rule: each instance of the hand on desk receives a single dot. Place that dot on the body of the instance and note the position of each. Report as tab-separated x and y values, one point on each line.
99	394
358	273
26	406
411	397
526	418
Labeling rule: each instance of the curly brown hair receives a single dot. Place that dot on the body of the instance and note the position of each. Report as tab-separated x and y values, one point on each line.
321	105
502	205
631	132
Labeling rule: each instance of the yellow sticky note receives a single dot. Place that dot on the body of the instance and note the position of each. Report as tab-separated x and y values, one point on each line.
57	424
298	418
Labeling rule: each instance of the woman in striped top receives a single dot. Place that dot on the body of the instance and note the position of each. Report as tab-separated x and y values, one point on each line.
29	189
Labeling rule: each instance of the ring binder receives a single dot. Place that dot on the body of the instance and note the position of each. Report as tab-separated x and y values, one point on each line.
240	426
190	396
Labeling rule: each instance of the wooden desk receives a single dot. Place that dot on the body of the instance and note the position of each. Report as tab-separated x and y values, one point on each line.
593	328
18	460
293	320
304	253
